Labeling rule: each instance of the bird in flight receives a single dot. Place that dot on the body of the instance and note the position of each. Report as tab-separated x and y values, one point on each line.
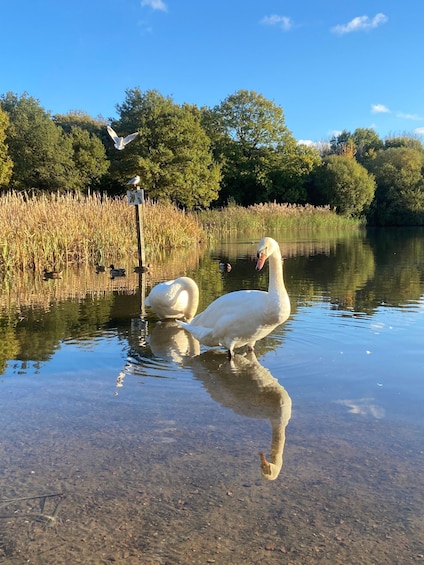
120	142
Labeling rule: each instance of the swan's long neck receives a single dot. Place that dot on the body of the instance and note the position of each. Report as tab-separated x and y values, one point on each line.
276	279
193	300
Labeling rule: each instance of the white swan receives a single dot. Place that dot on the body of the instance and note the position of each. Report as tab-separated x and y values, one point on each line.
120	142
178	298
245	316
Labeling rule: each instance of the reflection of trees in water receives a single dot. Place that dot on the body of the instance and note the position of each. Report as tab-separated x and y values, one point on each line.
34	333
249	389
356	273
399	276
359	274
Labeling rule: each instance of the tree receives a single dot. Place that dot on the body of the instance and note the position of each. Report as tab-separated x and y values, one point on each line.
362	144
399	198
344	184
255	147
172	153
343	144
88	137
367	143
79	118
6	164
89	157
40	151
403	141
290	175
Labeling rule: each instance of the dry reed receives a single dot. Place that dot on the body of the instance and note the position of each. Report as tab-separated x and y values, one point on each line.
55	230
272	216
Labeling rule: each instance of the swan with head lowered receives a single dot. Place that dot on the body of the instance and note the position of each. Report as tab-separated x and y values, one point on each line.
245	316
174	299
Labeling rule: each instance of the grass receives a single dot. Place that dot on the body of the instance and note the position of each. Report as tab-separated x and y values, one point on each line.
54	230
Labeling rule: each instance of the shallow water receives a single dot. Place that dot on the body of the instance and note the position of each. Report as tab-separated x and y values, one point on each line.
124	441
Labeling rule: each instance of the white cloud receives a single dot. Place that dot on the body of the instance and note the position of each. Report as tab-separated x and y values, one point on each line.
419	131
363	407
379	109
408	116
155	5
282	22
360	23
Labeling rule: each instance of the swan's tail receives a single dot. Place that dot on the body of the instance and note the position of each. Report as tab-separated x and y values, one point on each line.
199	332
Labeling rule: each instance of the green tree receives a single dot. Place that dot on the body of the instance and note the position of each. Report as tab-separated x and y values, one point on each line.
367	143
89	156
290	175
6	164
40	151
79	118
344	184
258	152
362	144
403	141
172	153
399	198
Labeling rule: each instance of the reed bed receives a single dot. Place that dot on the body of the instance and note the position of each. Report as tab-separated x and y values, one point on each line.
272	216
54	230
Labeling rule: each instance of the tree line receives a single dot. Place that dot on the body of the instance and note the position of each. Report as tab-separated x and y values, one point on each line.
240	151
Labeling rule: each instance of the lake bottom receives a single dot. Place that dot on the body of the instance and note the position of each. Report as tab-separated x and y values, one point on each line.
157	473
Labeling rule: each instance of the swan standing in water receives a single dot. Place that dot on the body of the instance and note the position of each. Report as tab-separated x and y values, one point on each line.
245	316
174	299
120	142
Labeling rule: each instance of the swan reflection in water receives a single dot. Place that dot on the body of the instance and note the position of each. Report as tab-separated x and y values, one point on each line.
169	341
249	389
241	384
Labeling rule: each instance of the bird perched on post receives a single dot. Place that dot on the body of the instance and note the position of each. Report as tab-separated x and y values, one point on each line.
120	142
135	181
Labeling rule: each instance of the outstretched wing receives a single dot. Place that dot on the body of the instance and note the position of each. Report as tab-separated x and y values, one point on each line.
130	137
112	133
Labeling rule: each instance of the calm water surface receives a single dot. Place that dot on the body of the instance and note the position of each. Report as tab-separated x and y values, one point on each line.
124	441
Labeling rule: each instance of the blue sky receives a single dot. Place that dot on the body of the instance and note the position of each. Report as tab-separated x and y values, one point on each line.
330	65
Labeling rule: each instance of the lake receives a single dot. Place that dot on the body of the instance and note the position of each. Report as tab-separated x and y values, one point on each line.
125	441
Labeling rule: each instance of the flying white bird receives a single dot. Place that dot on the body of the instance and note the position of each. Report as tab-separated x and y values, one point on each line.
135	181
120	142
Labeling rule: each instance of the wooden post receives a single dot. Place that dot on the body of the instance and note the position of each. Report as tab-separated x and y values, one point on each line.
136	199
140	233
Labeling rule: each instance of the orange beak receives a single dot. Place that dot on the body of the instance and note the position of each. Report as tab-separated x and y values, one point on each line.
261	261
